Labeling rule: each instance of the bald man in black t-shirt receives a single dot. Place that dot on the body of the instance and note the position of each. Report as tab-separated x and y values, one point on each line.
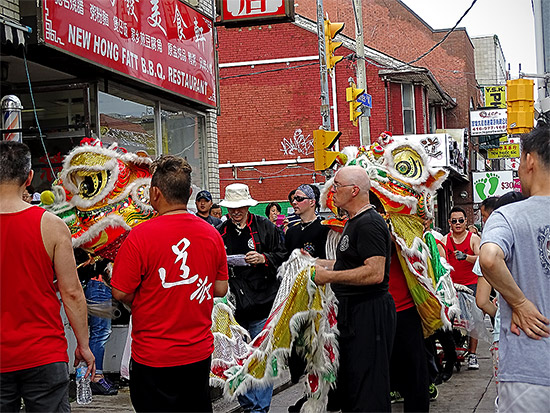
366	311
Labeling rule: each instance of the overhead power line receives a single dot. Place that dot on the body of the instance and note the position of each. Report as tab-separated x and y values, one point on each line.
444	37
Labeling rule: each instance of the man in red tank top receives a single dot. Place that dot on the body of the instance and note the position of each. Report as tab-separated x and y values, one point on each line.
35	251
462	249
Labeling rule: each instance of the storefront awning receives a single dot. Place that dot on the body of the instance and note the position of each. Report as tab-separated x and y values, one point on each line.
14	33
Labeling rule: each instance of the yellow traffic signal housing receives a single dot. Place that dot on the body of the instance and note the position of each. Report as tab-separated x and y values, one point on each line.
352	93
331	30
322	142
520	105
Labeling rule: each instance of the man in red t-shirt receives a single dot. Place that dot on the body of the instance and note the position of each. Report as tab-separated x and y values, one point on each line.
35	251
169	269
462	249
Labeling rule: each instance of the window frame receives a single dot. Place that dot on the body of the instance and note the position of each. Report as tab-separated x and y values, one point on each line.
410	109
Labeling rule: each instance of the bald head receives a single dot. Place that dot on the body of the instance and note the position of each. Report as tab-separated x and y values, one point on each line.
355	175
351	189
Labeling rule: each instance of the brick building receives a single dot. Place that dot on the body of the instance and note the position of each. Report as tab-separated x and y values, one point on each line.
392	27
269	103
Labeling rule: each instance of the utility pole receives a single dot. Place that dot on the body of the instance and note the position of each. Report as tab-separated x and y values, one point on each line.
364	124
325	99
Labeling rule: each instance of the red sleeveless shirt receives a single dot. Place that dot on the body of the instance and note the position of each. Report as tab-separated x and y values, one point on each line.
31	332
462	270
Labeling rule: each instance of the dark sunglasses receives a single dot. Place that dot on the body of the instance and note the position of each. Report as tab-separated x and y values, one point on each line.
299	198
459	220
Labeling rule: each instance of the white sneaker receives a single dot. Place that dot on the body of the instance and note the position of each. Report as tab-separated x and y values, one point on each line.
473	364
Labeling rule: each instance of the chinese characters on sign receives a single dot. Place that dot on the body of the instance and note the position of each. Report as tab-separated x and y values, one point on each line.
504	151
488	122
256	10
162	42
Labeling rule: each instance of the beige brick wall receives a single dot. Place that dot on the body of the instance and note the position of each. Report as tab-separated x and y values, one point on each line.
212	182
10	9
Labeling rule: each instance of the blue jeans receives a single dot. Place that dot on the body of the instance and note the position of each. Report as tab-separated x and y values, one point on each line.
256	400
100	328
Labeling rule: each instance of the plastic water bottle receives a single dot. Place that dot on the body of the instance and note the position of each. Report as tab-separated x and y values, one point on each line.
83	390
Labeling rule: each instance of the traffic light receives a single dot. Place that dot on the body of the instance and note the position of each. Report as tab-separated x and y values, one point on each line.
352	93
331	30
322	142
520	105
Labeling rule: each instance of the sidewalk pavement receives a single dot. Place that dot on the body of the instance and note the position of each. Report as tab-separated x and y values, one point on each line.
467	391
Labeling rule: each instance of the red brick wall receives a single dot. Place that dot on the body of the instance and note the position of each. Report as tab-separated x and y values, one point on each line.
389	26
260	111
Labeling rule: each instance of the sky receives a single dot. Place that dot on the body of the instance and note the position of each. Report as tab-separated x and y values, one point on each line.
511	20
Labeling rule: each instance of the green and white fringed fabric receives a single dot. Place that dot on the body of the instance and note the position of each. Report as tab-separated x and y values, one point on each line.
303	315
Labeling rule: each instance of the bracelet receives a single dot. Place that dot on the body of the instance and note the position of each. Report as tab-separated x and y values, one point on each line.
313	275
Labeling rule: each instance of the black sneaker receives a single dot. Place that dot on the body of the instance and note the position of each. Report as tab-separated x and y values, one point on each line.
102	388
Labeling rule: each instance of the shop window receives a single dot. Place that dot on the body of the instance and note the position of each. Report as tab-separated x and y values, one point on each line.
183	134
407	96
61	114
129	124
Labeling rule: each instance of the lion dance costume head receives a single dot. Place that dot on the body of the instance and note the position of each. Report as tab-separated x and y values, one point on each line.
405	184
101	194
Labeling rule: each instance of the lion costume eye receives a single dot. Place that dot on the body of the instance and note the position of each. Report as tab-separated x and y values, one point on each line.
90	184
408	163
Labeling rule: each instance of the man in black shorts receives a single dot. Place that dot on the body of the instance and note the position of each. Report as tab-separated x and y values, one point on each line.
366	311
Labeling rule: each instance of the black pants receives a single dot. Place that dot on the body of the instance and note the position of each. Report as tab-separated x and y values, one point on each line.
409	369
171	389
448	345
367	329
43	389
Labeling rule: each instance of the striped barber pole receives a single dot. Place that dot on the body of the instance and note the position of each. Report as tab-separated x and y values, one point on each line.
11	118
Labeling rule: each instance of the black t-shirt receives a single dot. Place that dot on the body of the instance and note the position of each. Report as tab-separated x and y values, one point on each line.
365	235
312	237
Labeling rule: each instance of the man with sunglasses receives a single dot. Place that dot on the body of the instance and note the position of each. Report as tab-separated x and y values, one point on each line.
366	311
462	250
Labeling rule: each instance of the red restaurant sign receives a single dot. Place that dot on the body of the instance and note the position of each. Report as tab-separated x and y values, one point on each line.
235	12
162	42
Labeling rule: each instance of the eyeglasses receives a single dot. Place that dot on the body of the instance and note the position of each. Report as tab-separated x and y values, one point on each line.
454	221
336	185
299	198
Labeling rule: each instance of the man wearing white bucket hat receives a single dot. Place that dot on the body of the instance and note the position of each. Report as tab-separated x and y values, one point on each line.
254	246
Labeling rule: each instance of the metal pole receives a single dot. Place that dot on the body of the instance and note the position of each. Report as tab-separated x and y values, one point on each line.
364	125
325	99
334	107
539	47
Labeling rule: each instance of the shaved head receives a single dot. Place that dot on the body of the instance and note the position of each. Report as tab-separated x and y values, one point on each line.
355	175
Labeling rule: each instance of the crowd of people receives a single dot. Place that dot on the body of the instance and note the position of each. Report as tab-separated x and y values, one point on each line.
169	269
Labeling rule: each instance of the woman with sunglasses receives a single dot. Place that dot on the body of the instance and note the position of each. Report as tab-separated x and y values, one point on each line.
309	234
